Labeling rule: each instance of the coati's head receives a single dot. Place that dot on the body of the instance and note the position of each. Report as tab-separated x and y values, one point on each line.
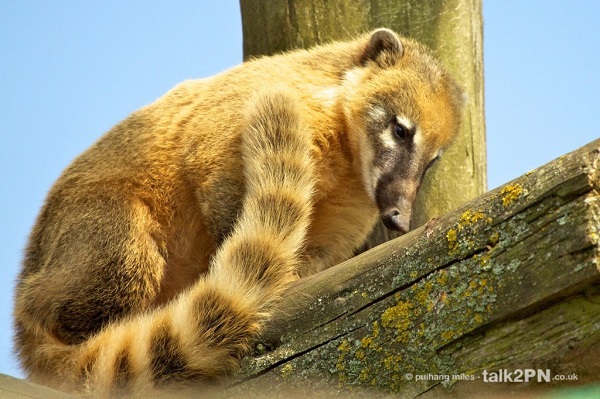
404	110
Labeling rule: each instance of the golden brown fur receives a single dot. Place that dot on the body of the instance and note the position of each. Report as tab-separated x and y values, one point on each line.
160	251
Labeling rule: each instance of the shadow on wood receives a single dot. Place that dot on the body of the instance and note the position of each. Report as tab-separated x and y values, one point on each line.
508	281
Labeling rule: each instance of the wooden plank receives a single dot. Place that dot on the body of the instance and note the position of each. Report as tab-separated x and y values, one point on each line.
508	280
14	388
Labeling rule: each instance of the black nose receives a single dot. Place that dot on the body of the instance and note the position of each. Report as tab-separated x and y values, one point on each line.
396	221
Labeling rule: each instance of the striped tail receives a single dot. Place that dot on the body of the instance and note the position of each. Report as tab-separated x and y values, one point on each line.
202	335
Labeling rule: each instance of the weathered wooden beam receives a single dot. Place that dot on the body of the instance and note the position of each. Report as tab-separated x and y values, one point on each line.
508	281
14	388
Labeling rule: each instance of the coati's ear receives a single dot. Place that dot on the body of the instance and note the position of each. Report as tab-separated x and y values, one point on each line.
384	48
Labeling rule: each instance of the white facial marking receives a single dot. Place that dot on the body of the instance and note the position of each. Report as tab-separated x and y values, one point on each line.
370	174
386	139
418	148
418	139
375	175
377	113
404	122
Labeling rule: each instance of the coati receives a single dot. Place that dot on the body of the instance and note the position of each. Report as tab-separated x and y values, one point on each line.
161	250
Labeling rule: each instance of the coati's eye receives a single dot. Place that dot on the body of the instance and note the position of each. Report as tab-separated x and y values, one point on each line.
400	131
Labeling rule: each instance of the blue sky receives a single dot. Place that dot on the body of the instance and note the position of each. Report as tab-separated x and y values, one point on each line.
70	70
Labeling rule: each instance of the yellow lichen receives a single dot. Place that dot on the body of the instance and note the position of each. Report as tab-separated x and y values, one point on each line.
339	365
443	297
484	259
369	341
398	318
422	296
452	236
469	218
375	330
286	370
467	223
364	374
366	342
442	277
511	193
392	362
494	238
360	354
430	306
344	346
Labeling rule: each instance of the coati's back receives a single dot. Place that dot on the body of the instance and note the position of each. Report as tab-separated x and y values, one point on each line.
161	250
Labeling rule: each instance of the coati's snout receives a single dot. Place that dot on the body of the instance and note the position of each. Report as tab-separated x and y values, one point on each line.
397	219
395	202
